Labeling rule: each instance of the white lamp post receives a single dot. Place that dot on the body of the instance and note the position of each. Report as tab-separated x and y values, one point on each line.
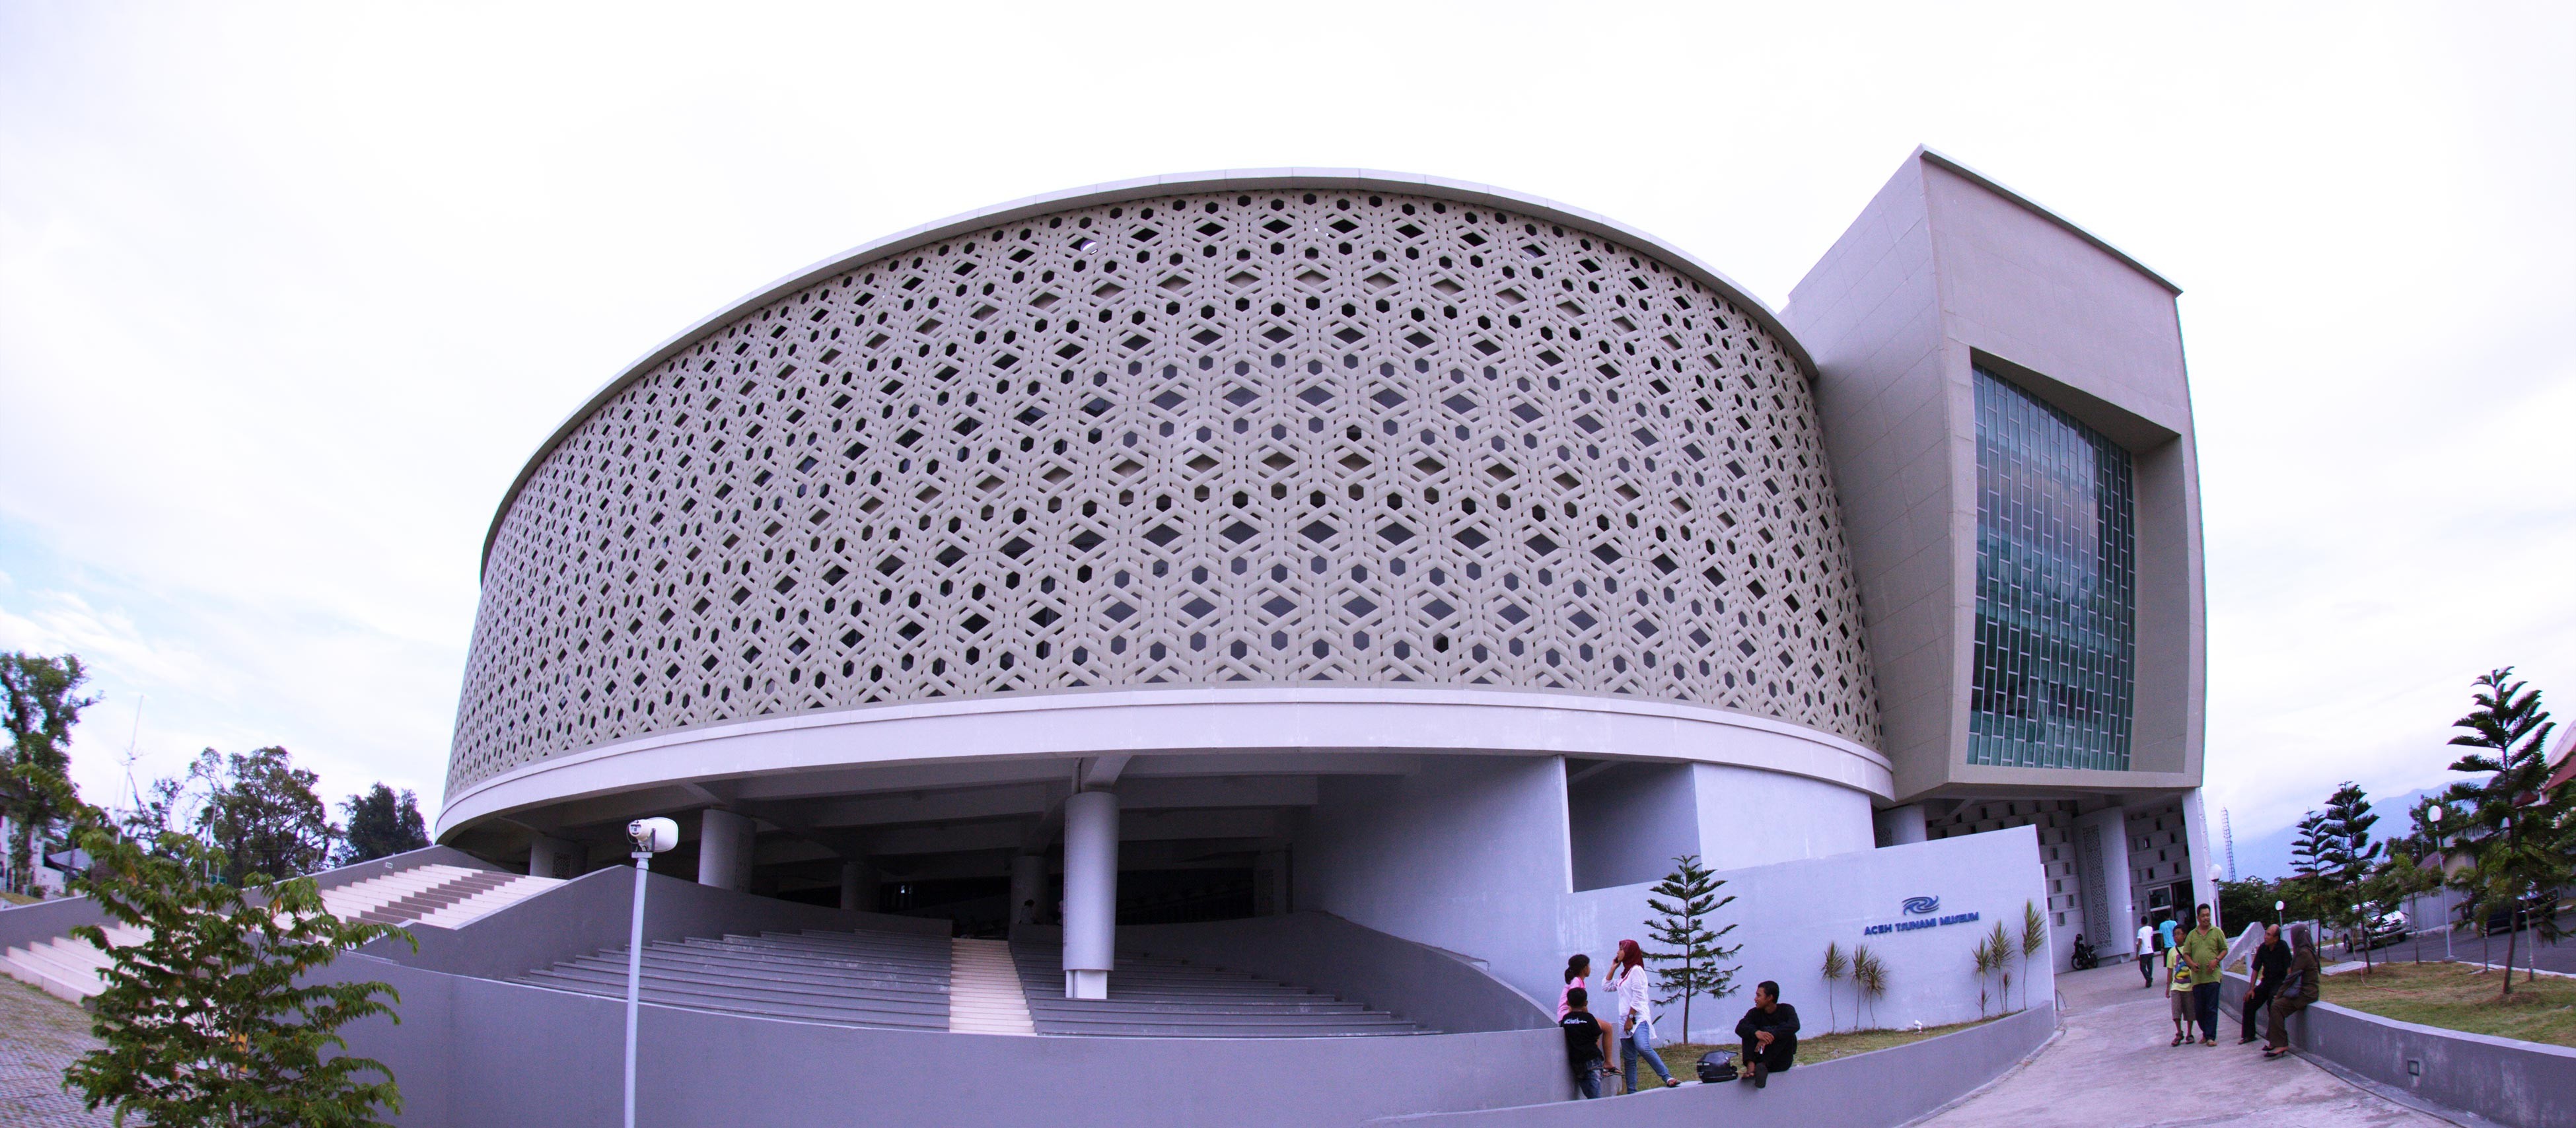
2217	873
650	836
2435	813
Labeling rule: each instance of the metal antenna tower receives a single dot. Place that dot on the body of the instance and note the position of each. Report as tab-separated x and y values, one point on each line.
2227	827
133	794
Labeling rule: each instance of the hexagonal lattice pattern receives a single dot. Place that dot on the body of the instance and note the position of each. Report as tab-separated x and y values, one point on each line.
1270	438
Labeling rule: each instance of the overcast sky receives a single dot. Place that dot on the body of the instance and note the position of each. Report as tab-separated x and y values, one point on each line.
288	294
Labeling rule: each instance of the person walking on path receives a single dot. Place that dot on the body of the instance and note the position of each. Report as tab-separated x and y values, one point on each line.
2165	929
2178	994
1636	1015
1770	1033
2146	955
2304	984
2268	964
1577	967
2204	948
1587	1043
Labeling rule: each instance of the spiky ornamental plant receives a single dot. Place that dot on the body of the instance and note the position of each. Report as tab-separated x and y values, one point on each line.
2034	936
1869	980
1686	897
209	1020
2522	824
1984	955
1837	968
2001	941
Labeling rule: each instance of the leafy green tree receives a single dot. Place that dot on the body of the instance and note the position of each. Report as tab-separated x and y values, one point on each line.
381	824
1686	898
2249	900
1837	968
208	1020
2522	832
40	701
261	815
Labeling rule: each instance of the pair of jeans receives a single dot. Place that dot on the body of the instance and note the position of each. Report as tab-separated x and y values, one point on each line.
2147	968
2204	998
2252	1008
1640	1043
1587	1080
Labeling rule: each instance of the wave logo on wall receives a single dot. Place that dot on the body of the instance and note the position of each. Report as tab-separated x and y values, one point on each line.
1918	906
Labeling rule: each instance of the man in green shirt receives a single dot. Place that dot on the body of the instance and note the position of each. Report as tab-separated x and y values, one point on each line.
2202	949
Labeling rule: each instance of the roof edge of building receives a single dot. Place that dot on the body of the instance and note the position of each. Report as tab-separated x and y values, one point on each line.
1950	164
1119	191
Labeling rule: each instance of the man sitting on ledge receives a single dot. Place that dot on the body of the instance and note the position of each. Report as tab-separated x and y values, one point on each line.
1770	1033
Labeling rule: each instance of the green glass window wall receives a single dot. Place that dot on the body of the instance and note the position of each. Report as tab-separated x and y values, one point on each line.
2056	588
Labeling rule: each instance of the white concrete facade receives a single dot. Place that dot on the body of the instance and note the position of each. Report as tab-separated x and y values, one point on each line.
1444	559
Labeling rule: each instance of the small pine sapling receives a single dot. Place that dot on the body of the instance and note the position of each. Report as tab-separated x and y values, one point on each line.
1686	897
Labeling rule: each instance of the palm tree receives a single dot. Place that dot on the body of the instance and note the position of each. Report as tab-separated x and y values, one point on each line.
1869	974
2034	936
1836	967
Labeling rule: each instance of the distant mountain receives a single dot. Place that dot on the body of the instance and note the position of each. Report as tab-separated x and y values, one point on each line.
2268	856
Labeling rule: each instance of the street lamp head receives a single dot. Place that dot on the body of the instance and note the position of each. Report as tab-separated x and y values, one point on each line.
653	836
2434	813
2280	906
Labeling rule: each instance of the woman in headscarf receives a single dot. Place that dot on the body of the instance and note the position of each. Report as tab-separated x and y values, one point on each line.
1636	1023
2302	986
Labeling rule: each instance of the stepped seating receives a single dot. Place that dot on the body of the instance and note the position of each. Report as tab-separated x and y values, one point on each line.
1158	998
441	896
881	979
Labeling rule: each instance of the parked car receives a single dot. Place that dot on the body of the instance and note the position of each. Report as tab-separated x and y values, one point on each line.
2500	918
2388	928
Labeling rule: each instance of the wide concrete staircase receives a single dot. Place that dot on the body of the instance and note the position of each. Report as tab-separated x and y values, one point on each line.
883	979
1161	998
434	895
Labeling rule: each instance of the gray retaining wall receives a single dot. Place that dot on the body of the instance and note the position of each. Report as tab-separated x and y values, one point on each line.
595	910
1880	1089
2524	1084
1362	965
475	1052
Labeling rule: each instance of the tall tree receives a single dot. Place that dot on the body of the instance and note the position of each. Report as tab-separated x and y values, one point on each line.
381	823
40	701
2307	864
1687	897
261	815
2520	836
2346	856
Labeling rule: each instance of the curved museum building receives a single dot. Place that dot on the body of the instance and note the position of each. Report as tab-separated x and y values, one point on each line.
1443	559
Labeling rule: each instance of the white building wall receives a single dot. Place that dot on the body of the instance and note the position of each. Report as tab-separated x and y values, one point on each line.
1749	817
1785	914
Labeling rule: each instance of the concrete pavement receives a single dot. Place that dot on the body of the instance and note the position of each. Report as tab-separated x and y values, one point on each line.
2113	1066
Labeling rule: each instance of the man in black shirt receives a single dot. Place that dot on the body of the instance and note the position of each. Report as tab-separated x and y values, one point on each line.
1770	1033
2269	965
1587	1043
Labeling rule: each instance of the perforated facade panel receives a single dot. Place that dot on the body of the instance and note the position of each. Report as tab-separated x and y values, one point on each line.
1276	437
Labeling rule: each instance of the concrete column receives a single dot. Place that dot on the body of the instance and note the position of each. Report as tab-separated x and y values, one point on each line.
1028	888
1090	893
2204	889
724	850
1898	826
2102	873
858	885
556	857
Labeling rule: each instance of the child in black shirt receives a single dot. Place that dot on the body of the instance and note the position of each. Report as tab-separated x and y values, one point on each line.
1587	1043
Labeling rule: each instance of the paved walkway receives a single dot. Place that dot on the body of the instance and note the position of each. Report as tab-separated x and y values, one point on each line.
39	1035
2114	1067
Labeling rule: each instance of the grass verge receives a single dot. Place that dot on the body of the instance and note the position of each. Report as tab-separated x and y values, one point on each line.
2457	997
1683	1057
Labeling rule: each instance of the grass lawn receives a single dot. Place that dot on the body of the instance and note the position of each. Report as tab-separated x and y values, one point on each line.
1683	1057
2455	997
7	897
